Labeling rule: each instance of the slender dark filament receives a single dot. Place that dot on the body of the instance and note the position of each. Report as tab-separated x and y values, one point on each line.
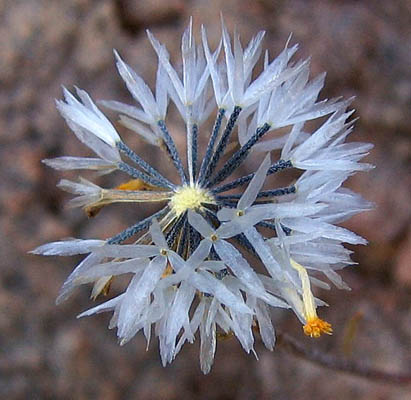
272	226
138	227
211	143
194	240
182	248
135	173
222	144
172	150
175	230
237	158
220	275
228	203
144	165
194	153
263	194
276	167
211	217
244	242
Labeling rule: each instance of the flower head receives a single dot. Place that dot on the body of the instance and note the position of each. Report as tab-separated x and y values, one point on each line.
220	251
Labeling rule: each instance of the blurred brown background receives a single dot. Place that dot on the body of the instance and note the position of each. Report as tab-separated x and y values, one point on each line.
45	353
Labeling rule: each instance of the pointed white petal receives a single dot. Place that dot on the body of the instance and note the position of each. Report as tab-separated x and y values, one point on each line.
112	268
200	254
207	348
136	295
138	88
128	250
254	187
179	312
131	111
106	306
265	325
227	214
308	225
263	250
88	117
207	283
68	163
200	224
157	235
336	279
68	247
237	263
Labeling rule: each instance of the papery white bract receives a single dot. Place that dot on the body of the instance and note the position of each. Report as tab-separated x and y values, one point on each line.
220	251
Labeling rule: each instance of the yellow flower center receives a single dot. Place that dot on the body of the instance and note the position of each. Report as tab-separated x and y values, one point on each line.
190	198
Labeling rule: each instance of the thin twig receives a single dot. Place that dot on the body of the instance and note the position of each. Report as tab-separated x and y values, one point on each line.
355	368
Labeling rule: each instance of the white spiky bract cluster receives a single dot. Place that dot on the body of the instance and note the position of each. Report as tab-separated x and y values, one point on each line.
189	274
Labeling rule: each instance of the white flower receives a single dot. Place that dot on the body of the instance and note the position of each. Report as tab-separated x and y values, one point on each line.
68	163
189	275
87	121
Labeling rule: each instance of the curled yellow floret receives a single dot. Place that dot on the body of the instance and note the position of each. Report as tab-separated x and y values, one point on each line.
314	326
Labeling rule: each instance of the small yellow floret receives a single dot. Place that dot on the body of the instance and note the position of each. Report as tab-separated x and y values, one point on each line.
316	327
189	198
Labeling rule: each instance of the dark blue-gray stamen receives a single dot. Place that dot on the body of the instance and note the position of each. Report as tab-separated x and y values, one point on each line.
194	240
138	227
228	203
222	144
135	173
211	143
194	153
263	194
277	192
183	239
276	167
211	218
212	207
221	274
144	165
237	158
172	150
244	242
272	226
213	255
175	230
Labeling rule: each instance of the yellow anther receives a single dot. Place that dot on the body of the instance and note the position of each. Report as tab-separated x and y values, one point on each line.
214	237
163	252
240	213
